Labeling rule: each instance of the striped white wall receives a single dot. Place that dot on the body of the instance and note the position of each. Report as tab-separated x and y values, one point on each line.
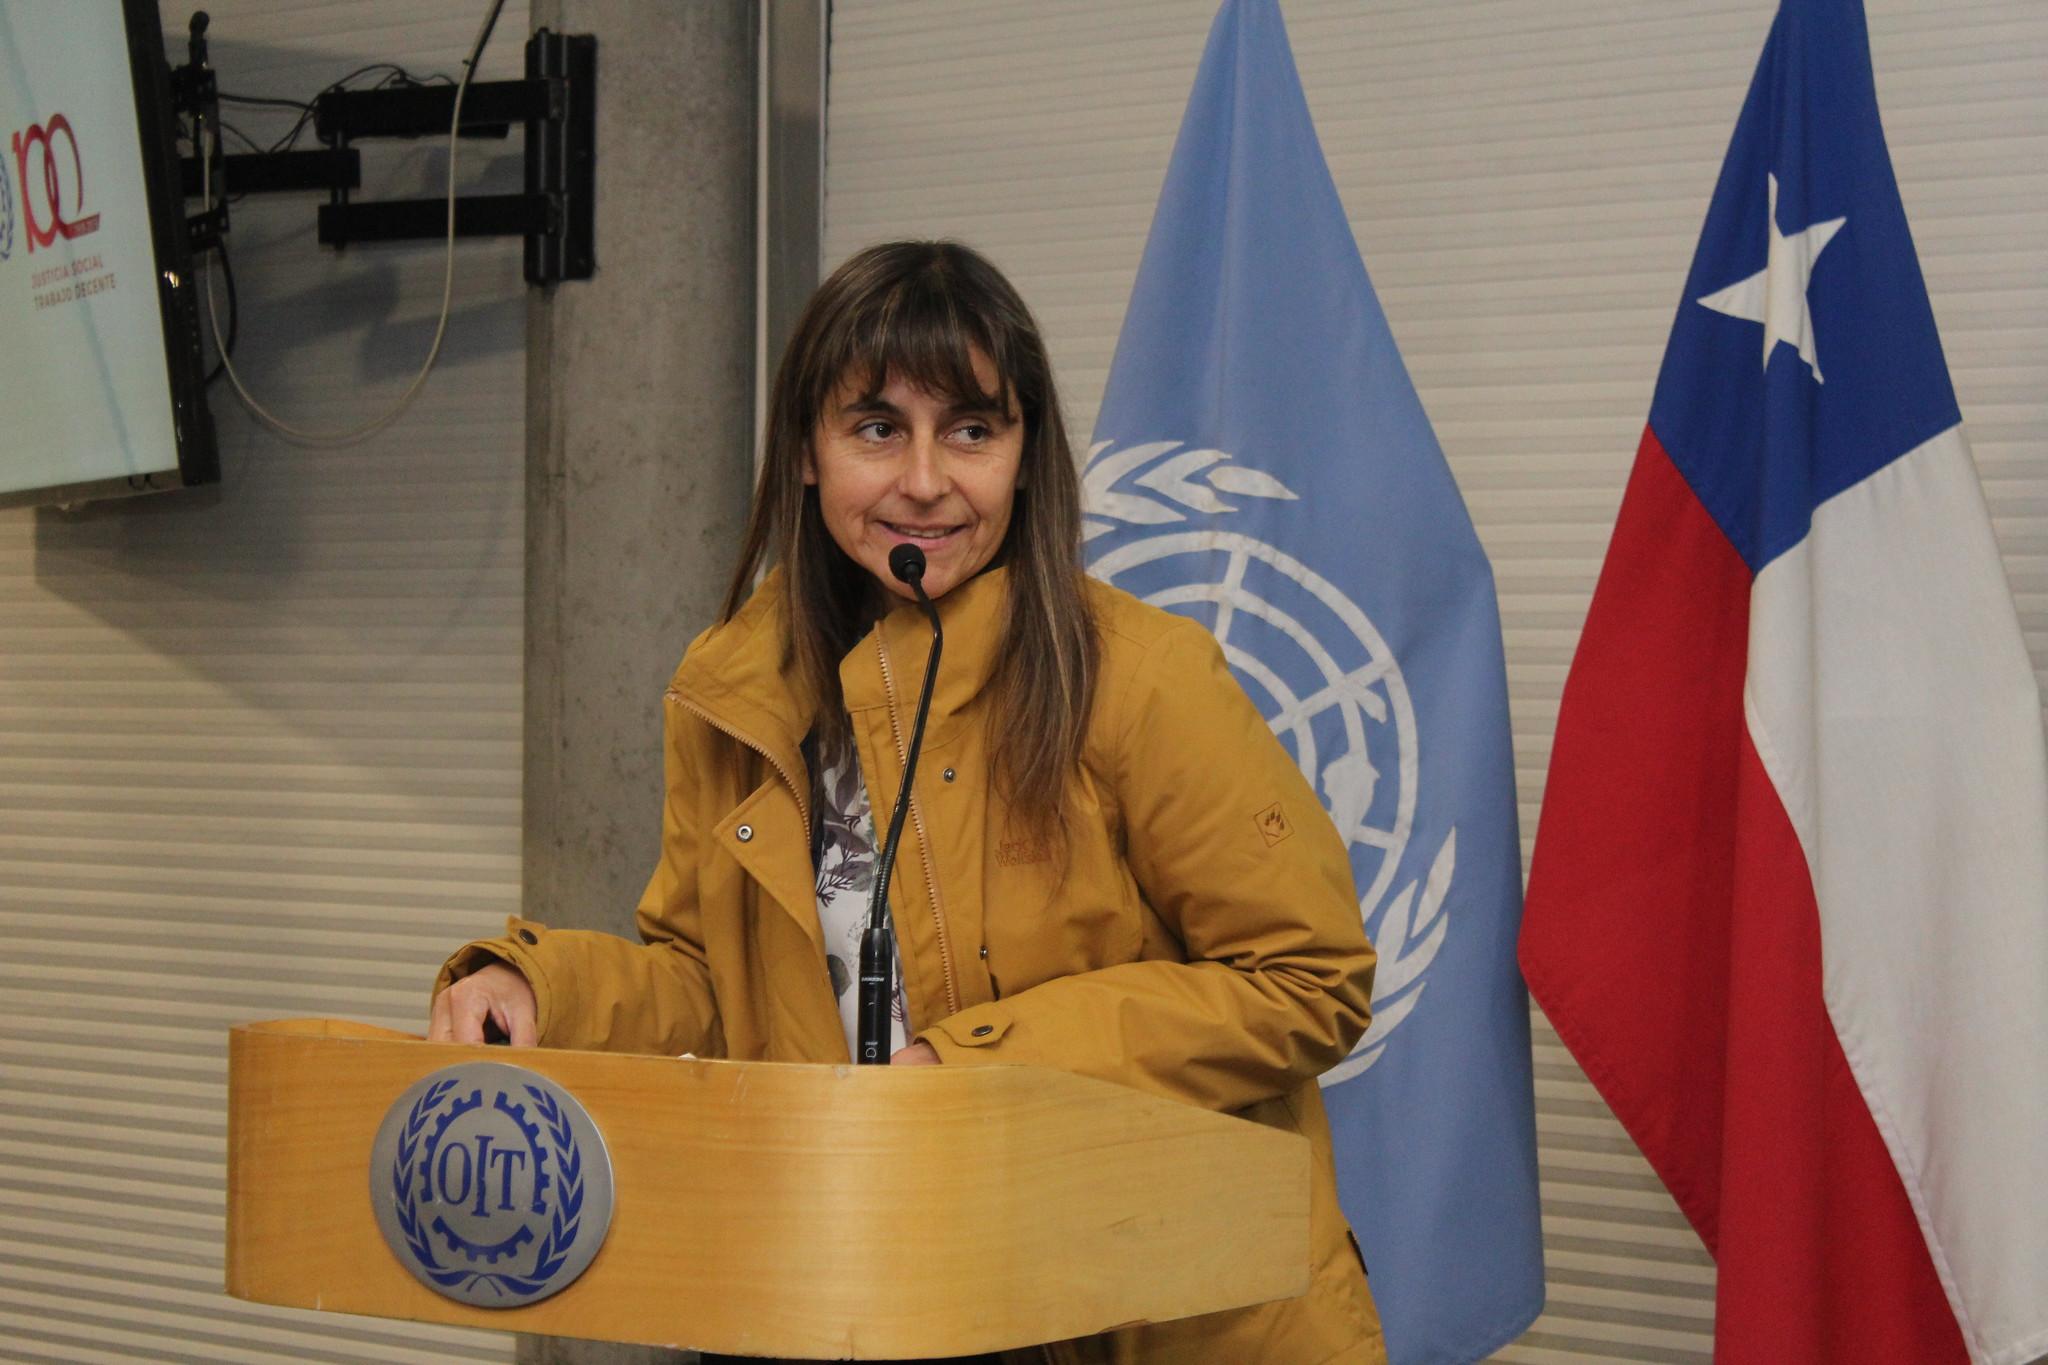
259	747
1526	179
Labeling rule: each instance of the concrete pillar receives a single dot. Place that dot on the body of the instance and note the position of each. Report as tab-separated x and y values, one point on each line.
640	392
640	403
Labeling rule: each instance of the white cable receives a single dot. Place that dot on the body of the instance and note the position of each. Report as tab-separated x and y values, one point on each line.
350	435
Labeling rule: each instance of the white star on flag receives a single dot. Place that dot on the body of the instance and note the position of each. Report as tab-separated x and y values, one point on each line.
1776	295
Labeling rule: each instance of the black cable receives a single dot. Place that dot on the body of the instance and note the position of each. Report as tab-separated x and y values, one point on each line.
228	197
291	138
247	141
185	135
394	74
226	98
482	39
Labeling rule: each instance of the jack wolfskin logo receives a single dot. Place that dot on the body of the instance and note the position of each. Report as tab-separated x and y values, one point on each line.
1012	852
1272	823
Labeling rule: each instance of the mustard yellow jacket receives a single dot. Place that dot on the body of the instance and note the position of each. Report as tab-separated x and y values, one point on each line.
1199	937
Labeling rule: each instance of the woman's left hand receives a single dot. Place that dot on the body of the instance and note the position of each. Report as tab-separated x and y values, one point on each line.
919	1053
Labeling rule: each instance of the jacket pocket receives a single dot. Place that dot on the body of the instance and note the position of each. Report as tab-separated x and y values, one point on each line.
1051	913
1057	906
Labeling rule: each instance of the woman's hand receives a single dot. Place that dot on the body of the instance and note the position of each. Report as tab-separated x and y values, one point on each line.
495	992
919	1053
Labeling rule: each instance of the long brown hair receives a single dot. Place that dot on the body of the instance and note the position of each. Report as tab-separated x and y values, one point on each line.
917	311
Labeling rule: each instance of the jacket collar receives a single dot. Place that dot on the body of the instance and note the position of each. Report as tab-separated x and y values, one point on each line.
888	664
741	677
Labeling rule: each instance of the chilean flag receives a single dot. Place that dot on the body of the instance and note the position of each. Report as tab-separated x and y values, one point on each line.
1789	903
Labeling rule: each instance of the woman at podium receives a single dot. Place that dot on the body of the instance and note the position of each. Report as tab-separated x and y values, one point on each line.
1111	866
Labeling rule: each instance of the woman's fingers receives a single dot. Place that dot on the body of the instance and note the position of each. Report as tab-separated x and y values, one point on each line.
495	992
515	1023
467	1006
440	1020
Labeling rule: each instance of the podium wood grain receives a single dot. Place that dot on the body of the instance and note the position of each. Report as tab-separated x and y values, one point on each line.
774	1209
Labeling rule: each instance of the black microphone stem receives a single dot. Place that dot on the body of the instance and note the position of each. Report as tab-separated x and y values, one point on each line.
878	944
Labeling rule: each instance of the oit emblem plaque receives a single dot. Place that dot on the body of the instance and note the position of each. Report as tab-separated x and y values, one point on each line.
491	1184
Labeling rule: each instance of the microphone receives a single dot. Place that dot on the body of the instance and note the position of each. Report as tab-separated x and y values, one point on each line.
906	561
878	943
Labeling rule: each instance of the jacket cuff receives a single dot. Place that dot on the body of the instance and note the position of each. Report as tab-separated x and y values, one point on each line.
517	951
969	1036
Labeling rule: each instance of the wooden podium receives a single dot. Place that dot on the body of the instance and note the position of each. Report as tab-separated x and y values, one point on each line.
828	1212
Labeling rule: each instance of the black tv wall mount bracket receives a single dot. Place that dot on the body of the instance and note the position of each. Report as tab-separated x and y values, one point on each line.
556	105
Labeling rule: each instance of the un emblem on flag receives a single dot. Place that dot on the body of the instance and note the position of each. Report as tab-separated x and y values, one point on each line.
1318	669
491	1184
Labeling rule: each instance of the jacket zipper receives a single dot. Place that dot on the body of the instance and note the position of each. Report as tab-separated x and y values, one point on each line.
802	804
924	845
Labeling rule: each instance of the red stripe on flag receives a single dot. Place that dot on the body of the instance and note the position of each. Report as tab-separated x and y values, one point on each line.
1671	937
1632	876
1820	1256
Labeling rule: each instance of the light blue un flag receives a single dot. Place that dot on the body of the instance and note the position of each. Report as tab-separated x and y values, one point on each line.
1262	463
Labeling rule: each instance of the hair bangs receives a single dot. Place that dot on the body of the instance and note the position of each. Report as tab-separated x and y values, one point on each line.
921	333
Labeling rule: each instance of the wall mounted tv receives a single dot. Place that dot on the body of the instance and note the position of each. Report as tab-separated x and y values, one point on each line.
100	384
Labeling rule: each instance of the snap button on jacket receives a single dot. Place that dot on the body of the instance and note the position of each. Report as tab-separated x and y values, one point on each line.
1172	943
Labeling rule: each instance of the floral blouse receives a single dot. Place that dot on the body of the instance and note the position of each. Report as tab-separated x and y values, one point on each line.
843	850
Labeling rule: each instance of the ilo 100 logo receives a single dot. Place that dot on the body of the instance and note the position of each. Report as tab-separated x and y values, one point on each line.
491	1184
49	171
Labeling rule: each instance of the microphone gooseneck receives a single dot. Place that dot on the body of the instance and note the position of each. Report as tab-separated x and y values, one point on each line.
878	943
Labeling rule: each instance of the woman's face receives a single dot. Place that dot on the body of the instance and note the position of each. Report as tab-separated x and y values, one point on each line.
906	467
